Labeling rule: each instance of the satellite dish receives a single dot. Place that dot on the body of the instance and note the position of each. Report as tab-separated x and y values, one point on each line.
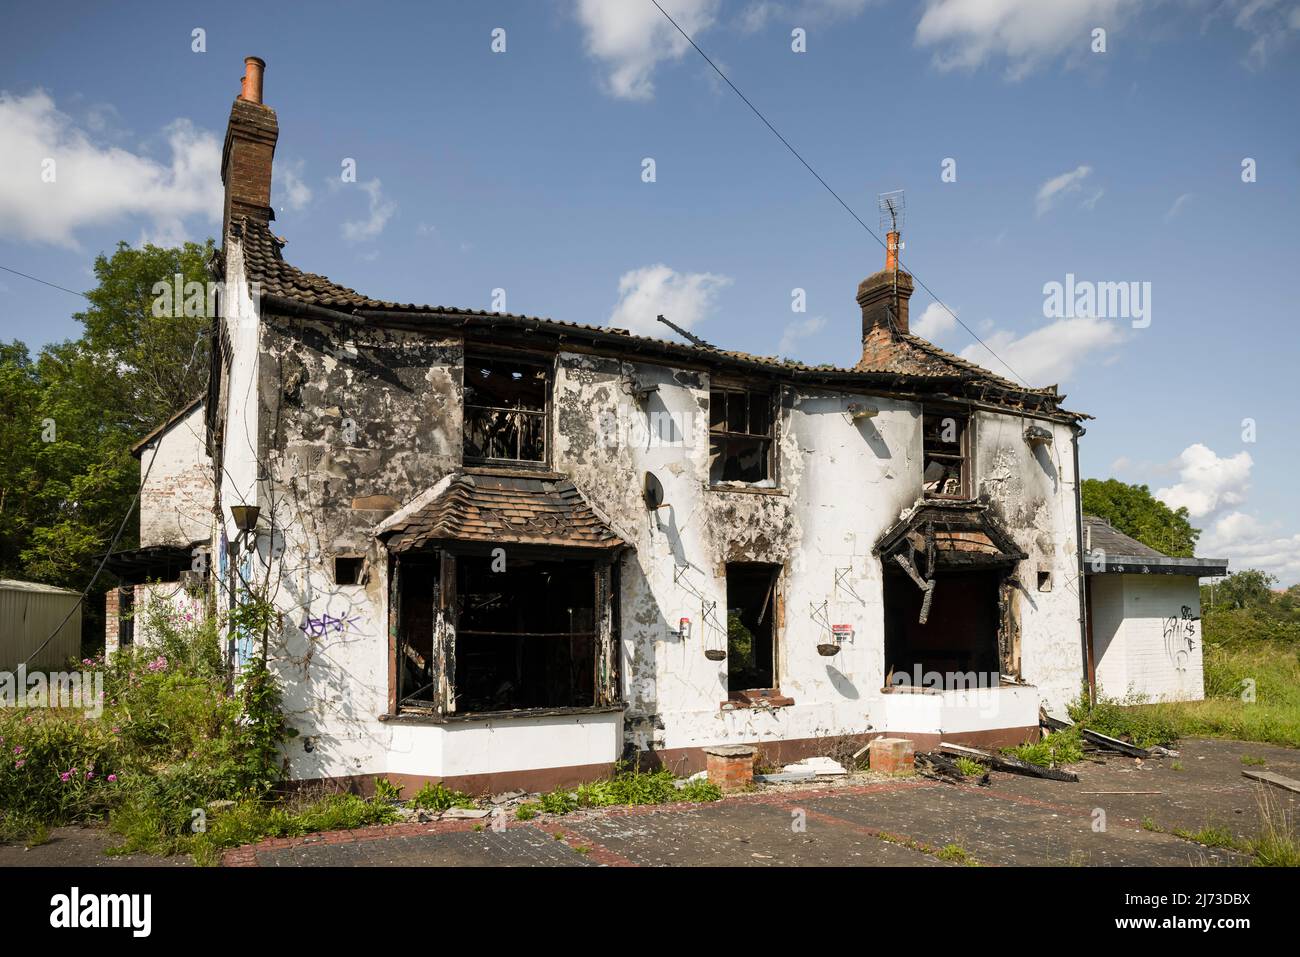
654	492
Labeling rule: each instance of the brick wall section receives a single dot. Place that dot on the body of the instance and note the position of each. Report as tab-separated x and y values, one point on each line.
730	767
176	501
112	608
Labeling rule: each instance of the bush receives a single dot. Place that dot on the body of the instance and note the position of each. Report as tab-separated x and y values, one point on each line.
170	740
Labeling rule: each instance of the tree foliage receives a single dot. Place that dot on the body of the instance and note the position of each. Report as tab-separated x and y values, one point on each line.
69	417
1133	510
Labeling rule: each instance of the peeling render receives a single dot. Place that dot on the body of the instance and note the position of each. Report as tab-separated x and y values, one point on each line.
355	421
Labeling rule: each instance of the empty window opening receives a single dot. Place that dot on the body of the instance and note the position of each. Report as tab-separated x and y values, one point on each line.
347	569
526	636
1044	581
958	642
945	443
740	436
126	616
751	628
505	410
416	614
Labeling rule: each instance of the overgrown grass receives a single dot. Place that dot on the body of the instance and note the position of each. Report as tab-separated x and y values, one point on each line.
1265	670
250	821
634	786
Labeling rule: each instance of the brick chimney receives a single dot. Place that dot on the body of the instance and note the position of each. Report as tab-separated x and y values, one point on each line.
883	296
250	145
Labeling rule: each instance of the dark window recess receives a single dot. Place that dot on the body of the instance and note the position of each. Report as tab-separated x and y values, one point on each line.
417	603
525	637
505	411
347	569
740	436
1044	581
946	472
126	616
751	632
959	639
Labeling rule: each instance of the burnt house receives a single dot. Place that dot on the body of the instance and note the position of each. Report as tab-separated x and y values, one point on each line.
513	550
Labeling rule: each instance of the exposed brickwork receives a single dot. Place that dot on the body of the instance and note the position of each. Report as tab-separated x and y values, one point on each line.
892	756
731	767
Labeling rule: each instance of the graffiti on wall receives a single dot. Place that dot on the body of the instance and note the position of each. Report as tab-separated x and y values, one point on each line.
1179	635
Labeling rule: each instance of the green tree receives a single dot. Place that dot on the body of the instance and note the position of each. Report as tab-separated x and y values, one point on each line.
1133	510
1250	588
68	419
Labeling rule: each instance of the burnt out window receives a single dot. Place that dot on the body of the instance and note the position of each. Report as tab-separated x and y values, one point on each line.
525	633
505	410
946	449
751	631
740	436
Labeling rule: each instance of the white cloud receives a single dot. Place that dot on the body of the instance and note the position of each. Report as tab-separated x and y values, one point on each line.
1051	192
683	298
1050	354
1249	543
288	187
968	33
632	38
380	212
757	15
1178	204
936	321
96	184
800	329
1091	202
1269	22
1206	482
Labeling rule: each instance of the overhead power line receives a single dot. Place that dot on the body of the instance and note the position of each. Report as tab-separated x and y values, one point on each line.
827	187
52	285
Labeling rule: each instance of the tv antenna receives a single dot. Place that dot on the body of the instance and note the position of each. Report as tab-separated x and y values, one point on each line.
892	209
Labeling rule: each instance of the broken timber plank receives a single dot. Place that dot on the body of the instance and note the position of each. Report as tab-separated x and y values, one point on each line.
1052	724
1002	762
1114	744
1277	780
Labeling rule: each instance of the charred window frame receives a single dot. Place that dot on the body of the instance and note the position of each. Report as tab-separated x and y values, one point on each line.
946	471
507	408
472	636
753	628
742	433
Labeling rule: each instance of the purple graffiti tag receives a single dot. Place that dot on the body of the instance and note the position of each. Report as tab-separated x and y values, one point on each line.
320	627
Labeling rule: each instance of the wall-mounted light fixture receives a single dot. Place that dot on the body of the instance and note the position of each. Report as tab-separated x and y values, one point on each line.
858	412
245	516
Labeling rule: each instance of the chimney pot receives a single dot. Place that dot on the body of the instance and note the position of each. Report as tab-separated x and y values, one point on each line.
891	250
252	80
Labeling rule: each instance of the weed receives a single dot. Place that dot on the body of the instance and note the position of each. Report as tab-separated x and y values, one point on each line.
956	854
1252	760
1212	835
1060	747
438	797
559	801
1278	844
386	790
970	767
526	812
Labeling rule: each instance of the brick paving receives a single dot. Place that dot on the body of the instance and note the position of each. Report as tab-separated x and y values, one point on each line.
867	821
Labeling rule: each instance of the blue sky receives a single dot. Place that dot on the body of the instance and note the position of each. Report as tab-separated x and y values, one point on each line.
523	170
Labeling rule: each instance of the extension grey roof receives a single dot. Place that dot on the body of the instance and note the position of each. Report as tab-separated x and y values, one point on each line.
1110	552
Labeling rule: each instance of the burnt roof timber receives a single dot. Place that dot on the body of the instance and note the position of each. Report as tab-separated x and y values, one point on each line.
885	384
